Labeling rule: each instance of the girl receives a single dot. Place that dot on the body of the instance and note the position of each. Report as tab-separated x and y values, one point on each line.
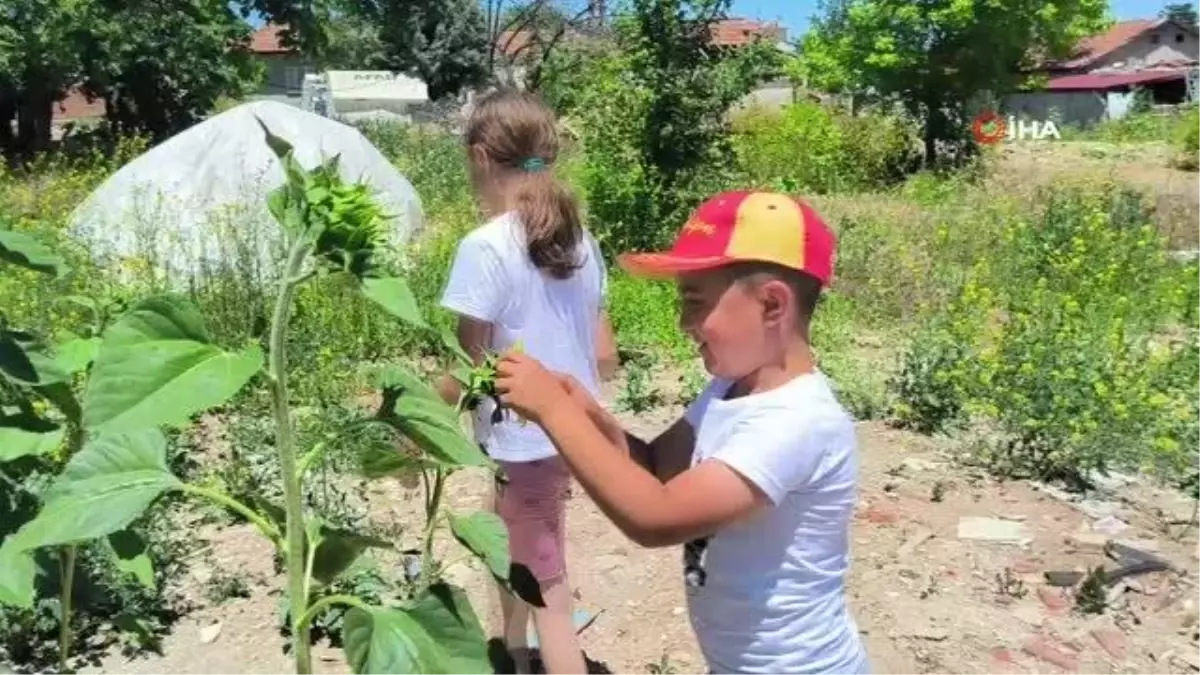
530	274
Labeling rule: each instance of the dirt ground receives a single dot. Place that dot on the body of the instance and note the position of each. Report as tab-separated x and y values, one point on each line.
925	598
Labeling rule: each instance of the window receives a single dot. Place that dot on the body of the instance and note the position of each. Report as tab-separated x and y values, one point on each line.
1179	38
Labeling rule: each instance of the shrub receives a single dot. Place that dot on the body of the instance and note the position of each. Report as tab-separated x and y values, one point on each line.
1058	340
1186	140
809	148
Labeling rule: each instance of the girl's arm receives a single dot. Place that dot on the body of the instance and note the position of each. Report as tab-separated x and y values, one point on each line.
474	336
606	348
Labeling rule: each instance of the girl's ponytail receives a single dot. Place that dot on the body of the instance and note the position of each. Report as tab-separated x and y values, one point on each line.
550	215
517	132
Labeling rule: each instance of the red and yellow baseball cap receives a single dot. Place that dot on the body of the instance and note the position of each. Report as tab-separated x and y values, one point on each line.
745	226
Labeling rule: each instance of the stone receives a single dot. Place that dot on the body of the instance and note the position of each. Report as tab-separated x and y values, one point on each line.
610	562
1002	655
918	464
993	530
1030	615
1054	599
1112	641
930	633
1063	579
910	545
1043	649
210	633
1110	525
1187	657
1141	545
1025	566
880	515
1088	541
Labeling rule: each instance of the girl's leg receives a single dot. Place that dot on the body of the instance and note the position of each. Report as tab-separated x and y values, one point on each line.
533	506
514	615
560	648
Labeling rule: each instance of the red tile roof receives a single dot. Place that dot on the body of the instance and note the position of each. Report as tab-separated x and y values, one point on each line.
1103	81
511	43
741	32
1092	49
268	40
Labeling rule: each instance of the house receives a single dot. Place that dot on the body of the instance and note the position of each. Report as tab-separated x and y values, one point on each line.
284	67
1155	58
739	32
75	107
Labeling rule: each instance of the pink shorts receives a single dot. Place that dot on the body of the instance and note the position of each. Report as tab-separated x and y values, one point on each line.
533	506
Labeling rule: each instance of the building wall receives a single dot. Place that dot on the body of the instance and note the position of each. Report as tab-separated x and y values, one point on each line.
1072	108
284	75
1164	44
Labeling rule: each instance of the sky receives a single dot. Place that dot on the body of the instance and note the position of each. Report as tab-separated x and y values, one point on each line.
794	14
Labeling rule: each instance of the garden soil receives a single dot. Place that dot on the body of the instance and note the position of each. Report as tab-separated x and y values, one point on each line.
925	599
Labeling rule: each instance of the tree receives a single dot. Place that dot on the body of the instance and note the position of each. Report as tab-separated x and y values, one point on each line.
528	33
1182	13
935	56
40	46
650	104
443	42
160	72
157	71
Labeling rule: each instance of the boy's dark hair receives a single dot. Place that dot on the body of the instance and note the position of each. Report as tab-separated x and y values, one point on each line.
515	128
806	289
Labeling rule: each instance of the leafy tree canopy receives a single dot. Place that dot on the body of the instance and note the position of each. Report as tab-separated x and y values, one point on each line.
934	56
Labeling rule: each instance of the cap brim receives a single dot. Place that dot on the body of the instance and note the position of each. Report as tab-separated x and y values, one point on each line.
665	265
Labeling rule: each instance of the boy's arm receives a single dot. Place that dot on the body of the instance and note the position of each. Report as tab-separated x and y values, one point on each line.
691	503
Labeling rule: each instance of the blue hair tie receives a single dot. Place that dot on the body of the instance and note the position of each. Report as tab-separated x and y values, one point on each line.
534	164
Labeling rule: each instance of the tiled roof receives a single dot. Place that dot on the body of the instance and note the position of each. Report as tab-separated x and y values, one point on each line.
740	32
75	106
1103	81
1093	48
512	43
268	40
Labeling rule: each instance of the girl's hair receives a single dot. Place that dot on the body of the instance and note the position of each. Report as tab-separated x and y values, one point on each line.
517	132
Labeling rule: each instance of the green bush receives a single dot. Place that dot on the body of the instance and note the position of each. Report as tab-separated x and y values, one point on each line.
806	147
1186	141
1059	340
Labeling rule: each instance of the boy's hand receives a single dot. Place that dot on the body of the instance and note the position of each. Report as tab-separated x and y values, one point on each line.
527	387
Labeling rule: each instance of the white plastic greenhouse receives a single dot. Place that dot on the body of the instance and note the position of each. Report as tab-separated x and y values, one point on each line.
198	200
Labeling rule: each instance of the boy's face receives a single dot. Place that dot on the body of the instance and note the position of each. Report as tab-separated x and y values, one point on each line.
728	322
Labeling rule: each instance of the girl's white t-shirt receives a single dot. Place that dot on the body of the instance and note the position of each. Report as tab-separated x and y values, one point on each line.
492	279
768	595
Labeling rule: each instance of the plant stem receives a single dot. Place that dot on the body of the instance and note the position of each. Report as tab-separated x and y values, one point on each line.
277	371
431	512
265	526
324	603
67	561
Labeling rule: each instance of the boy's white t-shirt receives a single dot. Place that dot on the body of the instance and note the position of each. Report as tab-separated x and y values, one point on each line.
492	279
767	595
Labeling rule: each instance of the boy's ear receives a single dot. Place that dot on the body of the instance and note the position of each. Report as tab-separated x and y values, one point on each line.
776	299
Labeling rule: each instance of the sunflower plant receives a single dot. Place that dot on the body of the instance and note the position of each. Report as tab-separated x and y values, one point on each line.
155	367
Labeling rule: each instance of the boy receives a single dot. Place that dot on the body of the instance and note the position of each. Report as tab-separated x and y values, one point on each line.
758	479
